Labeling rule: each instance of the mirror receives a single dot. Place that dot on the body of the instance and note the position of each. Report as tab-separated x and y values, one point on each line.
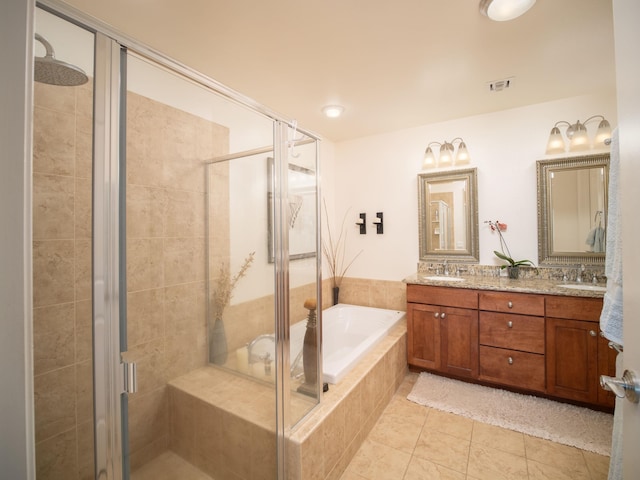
572	210
448	216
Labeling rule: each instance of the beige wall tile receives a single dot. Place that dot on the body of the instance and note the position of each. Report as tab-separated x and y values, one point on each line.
183	260
145	316
208	441
52	97
184	307
83	157
55	402
56	457
145	265
83	208
183	411
83	269
84	330
86	460
53	207
53	272
145	207
148	418
84	391
53	142
53	337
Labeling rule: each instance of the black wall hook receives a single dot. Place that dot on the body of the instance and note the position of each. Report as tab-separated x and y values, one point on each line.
379	223
362	223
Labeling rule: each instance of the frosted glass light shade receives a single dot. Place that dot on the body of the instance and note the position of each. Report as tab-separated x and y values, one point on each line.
579	138
503	10
429	159
603	133
446	154
556	142
462	157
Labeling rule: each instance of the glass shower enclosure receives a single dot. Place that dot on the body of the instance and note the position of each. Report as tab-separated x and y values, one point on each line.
203	277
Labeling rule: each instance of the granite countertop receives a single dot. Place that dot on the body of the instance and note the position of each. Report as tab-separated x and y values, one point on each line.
524	285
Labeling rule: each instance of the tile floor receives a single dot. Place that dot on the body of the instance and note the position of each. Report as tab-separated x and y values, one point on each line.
413	442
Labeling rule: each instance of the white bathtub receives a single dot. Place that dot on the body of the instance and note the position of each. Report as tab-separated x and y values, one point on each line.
349	332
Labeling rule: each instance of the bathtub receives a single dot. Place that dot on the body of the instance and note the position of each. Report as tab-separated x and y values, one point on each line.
349	333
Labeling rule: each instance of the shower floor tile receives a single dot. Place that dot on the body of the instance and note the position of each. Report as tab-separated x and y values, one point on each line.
169	466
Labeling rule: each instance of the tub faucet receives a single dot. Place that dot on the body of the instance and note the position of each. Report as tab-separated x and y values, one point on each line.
252	358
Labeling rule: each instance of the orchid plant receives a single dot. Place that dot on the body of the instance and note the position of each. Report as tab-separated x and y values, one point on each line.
505	254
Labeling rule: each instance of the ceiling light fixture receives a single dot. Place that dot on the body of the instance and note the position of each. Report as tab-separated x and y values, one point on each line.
578	136
446	157
503	10
332	111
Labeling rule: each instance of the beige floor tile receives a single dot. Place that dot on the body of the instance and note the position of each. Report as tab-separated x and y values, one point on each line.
562	457
598	465
401	406
376	461
541	471
349	475
487	463
168	466
421	469
397	431
450	424
446	450
498	438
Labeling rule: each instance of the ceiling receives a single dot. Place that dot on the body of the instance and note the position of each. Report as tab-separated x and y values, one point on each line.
392	65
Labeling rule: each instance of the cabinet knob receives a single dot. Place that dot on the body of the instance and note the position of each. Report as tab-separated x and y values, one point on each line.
510	304
592	333
510	360
442	315
510	324
436	315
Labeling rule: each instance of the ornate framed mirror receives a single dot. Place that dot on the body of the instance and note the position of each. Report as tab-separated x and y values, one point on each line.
572	210
448	216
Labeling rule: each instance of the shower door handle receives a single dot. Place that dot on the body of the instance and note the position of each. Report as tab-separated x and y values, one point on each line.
129	377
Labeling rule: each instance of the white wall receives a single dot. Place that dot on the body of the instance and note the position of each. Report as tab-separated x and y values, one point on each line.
17	457
379	173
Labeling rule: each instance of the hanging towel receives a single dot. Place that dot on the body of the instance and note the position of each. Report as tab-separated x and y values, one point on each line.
596	239
611	316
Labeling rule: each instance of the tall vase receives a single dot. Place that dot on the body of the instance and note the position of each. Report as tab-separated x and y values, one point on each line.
336	295
218	343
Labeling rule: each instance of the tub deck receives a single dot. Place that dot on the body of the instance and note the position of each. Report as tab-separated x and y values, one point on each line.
225	423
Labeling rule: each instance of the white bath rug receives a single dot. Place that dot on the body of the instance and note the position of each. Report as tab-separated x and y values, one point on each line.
560	422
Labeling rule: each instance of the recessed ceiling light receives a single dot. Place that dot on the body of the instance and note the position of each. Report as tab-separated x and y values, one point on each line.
333	111
503	10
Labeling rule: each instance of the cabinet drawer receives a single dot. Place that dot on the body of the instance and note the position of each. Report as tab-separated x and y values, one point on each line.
445	296
574	308
517	332
523	303
510	367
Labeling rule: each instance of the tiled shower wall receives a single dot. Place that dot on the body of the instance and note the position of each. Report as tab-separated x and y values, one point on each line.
167	336
62	281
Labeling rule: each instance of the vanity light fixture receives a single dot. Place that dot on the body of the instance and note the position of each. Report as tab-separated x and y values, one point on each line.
332	111
578	136
503	10
446	157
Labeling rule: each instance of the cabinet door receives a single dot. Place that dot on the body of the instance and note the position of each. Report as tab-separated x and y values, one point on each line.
459	328
572	359
423	335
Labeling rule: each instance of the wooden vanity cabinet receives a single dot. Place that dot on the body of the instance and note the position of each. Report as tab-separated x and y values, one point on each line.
576	353
512	340
442	330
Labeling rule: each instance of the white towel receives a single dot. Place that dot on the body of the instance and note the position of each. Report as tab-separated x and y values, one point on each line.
611	316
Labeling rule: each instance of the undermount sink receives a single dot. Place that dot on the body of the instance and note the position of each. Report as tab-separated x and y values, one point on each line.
443	278
577	286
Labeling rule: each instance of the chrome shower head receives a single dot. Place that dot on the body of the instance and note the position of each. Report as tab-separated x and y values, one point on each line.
55	72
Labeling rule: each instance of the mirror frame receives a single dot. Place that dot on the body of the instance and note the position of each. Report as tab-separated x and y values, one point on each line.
546	255
472	254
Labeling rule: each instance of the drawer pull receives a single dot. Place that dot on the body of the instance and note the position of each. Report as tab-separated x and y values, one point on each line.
510	304
510	324
592	333
442	315
510	361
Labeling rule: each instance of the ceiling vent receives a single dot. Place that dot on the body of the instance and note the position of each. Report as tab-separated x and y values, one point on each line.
500	85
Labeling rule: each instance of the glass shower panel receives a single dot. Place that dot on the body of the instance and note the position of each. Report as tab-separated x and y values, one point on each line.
62	244
199	284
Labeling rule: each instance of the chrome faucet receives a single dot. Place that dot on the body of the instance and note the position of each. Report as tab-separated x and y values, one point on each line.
444	267
579	273
252	358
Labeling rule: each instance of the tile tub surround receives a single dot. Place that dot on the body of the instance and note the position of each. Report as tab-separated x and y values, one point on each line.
320	446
